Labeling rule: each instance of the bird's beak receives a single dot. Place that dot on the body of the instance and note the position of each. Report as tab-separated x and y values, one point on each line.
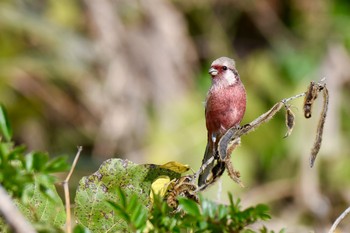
213	71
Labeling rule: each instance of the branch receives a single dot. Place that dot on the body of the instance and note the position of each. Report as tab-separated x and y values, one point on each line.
66	191
12	215
339	219
230	140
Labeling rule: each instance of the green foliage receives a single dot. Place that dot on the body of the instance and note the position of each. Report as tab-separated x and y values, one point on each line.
5	127
18	170
265	230
206	217
28	178
42	205
101	205
115	198
131	210
80	229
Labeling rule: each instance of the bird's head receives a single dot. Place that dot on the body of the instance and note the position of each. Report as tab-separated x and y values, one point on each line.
223	70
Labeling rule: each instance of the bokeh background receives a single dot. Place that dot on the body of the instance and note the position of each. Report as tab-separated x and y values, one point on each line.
127	79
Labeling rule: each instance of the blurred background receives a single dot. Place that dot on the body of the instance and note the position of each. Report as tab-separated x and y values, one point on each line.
127	79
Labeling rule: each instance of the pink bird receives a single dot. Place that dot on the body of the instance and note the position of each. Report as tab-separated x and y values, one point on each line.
224	107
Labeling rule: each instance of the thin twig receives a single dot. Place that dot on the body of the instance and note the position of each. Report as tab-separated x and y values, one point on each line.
339	219
293	97
12	215
66	191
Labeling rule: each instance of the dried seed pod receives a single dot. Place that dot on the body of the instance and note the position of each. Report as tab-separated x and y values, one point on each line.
310	97
290	121
233	173
318	140
181	187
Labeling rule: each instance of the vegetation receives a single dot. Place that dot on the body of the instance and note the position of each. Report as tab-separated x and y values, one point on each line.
131	84
208	217
28	181
27	177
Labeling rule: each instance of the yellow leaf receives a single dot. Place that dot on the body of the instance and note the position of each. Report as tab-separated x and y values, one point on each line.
176	167
159	187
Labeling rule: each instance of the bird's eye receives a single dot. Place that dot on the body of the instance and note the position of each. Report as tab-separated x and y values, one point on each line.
224	67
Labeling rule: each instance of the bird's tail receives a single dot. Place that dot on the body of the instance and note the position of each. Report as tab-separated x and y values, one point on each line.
206	164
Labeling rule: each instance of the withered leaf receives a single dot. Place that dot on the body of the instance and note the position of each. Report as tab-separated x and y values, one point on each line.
318	140
290	122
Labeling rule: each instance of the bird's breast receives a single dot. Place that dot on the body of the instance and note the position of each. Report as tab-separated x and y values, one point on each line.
225	107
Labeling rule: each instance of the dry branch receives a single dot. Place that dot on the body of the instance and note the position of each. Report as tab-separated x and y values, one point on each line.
339	219
66	191
231	139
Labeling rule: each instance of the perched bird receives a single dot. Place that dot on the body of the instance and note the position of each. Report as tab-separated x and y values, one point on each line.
224	107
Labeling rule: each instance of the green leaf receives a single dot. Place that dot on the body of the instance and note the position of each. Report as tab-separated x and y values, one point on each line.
5	126
80	229
29	162
57	164
96	191
208	208
5	149
47	227
46	208
48	193
222	211
13	176
135	212
189	206
121	211
262	211
122	197
16	152
141	218
36	161
248	231
133	202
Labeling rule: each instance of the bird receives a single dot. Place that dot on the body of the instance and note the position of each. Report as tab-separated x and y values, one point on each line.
225	106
